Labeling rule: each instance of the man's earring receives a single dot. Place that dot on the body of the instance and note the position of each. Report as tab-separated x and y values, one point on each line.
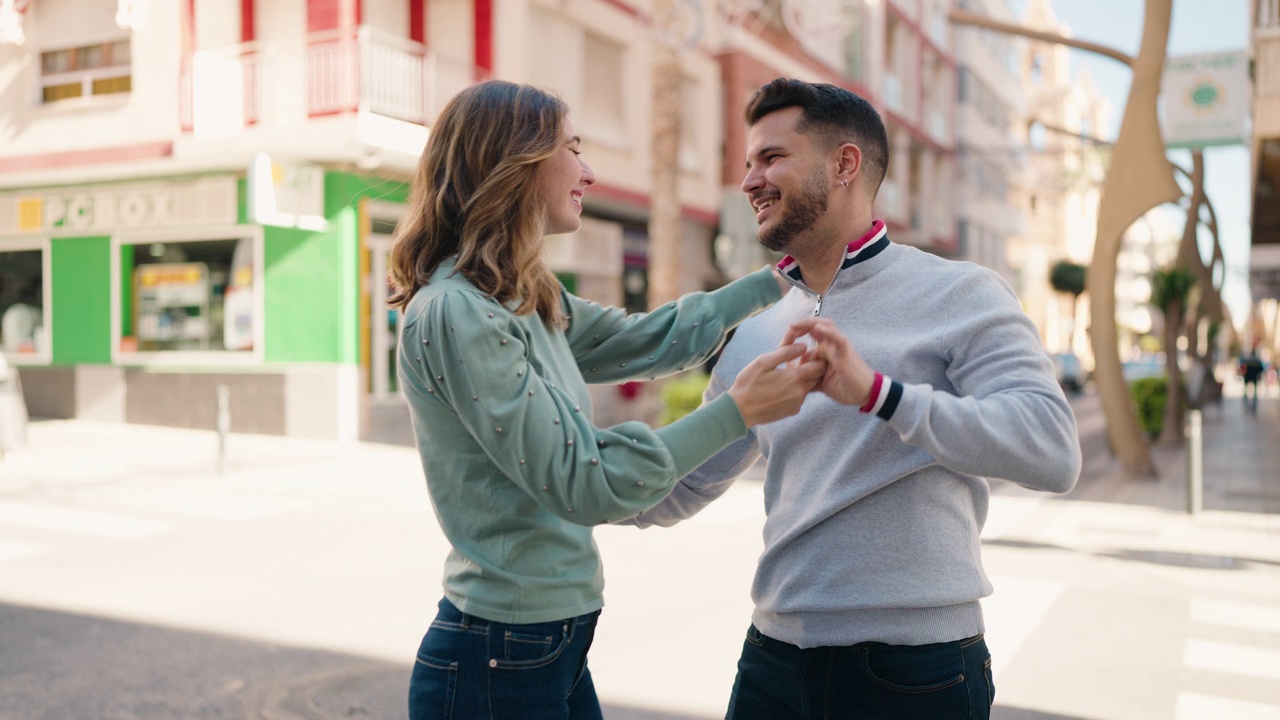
844	184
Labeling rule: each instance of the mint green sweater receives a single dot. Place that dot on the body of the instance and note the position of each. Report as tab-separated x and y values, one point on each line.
516	471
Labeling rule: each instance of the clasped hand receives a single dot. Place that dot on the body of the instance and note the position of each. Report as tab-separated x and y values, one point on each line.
846	377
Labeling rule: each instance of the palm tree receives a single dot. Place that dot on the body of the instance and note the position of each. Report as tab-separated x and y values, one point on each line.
1069	277
1170	291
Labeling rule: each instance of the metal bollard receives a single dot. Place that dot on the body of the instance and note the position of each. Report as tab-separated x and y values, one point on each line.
1195	463
224	426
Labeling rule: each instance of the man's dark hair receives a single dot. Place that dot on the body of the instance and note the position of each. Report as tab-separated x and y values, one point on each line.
833	115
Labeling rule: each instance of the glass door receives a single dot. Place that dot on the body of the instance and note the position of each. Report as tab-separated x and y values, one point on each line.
384	326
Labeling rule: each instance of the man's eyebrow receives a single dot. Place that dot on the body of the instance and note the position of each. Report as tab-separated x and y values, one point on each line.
763	151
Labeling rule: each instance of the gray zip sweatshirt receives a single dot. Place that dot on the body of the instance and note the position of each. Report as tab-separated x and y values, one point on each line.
873	513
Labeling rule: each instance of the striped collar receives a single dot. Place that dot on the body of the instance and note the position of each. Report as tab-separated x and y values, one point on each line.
872	243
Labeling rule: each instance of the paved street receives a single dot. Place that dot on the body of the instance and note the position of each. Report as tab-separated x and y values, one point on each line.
135	582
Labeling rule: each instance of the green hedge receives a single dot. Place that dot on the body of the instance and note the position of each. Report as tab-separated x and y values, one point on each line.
1149	395
682	395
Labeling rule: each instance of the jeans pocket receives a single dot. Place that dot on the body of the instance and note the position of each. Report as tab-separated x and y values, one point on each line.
432	688
532	646
517	646
913	669
754	636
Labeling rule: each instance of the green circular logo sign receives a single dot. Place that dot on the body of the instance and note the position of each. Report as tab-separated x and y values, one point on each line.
1204	95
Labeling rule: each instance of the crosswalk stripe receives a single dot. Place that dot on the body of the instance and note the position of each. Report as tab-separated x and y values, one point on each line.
1193	706
77	521
1232	658
1262	618
15	550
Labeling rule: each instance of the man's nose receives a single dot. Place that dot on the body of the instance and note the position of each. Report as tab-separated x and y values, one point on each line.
752	182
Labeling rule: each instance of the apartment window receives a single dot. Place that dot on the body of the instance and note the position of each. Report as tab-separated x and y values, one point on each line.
82	48
24	326
179	295
86	70
855	48
602	97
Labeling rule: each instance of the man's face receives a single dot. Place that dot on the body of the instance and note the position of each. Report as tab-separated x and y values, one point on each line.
786	179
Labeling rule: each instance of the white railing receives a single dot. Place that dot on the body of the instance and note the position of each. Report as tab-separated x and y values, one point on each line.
333	67
327	73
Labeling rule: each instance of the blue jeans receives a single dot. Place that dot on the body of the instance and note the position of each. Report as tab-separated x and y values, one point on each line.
472	669
867	681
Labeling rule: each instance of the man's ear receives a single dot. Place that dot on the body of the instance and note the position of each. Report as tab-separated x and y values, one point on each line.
848	163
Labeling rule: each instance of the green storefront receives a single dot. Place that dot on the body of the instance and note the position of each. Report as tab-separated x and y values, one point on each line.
135	301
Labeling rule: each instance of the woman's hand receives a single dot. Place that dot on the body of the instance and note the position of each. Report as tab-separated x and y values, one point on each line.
772	387
846	378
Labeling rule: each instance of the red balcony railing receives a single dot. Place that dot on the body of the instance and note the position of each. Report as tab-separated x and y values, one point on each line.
329	73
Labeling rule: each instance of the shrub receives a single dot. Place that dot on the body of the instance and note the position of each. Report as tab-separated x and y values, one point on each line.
682	395
1149	395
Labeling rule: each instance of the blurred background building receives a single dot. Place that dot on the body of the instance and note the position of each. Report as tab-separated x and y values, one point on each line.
991	119
1264	262
203	193
1059	198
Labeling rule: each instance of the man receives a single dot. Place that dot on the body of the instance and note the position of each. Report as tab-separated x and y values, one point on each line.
867	591
1251	368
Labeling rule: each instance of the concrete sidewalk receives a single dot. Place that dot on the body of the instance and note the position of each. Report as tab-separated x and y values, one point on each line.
1241	459
1111	602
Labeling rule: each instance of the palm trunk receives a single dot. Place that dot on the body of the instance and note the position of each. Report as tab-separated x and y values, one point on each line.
664	213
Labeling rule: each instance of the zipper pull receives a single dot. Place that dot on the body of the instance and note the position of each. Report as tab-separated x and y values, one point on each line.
817	309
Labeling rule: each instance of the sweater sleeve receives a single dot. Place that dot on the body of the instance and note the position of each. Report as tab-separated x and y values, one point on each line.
709	480
1008	418
475	364
611	345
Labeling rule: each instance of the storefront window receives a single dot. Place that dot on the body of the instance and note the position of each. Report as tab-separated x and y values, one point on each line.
189	295
22	309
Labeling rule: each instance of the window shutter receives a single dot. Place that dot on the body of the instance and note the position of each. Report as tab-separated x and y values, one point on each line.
74	23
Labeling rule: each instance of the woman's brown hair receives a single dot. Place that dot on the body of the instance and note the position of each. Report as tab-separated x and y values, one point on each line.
475	195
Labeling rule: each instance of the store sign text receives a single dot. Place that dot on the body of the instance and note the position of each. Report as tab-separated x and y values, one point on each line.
107	209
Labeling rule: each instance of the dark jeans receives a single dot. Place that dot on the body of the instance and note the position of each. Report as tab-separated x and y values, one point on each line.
472	669
867	681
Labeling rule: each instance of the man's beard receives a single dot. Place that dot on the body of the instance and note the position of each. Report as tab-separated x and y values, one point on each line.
804	207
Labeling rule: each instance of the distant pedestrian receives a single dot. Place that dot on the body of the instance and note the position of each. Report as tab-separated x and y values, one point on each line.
494	359
1251	369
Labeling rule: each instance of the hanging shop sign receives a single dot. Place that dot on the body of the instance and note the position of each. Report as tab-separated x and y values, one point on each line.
1206	99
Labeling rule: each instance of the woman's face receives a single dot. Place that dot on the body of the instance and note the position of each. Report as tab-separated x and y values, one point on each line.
562	179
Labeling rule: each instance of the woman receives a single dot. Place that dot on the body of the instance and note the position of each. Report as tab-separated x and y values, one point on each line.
493	357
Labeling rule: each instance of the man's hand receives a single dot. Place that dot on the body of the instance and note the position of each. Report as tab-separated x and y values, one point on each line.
772	388
847	378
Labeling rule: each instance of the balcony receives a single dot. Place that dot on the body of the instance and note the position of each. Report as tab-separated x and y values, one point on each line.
286	81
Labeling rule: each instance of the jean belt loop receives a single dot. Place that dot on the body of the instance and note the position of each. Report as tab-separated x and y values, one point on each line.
466	621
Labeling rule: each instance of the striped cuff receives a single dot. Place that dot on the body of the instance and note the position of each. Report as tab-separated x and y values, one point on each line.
884	397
